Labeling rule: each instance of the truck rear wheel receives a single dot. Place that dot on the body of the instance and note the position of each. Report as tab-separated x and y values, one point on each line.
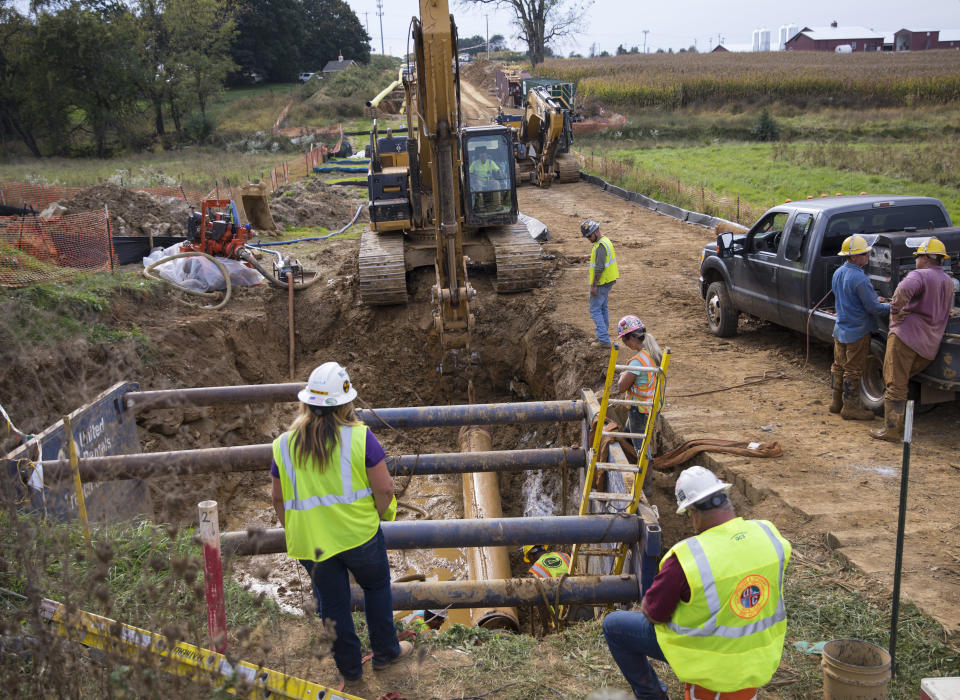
872	387
722	317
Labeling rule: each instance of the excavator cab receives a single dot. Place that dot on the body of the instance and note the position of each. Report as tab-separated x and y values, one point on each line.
490	195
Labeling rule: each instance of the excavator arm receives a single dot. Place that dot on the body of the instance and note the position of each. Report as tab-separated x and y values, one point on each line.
546	127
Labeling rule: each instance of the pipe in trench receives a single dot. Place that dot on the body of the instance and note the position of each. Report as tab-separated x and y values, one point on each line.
220	460
481	500
434	534
504	594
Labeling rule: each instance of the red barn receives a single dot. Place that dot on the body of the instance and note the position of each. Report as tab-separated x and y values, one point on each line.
829	38
916	39
949	39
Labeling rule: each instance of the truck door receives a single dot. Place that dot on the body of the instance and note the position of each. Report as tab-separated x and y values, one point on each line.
760	267
793	277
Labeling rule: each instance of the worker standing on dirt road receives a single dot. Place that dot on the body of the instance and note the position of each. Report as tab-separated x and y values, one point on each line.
603	275
638	385
919	312
330	496
715	610
858	307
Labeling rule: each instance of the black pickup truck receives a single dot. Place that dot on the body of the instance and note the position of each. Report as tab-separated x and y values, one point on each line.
781	270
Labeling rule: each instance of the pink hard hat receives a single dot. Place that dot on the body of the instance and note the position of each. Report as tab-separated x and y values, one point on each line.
629	324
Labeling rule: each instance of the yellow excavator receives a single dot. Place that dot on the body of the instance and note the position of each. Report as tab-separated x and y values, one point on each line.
544	134
443	195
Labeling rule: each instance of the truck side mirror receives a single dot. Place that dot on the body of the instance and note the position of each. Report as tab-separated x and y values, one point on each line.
725	244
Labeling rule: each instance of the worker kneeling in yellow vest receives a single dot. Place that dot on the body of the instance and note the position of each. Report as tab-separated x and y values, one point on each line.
426	623
715	610
331	489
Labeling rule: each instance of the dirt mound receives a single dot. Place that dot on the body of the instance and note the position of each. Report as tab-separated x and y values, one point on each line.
133	213
310	202
481	73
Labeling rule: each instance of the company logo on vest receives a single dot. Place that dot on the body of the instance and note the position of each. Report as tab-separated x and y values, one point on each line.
750	596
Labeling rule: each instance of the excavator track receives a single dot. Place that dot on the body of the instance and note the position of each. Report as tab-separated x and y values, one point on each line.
383	277
518	258
568	168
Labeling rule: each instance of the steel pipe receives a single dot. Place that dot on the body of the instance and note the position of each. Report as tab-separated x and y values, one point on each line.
481	500
429	534
212	396
404	417
473	414
574	590
220	460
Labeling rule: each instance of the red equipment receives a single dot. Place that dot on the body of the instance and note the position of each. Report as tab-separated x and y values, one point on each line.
215	230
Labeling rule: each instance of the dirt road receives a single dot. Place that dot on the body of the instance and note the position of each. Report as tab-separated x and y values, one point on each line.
477	105
839	483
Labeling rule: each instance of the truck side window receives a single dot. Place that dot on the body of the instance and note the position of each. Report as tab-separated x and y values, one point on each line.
802	225
766	234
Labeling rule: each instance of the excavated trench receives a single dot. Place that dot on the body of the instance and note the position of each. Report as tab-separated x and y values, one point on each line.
521	355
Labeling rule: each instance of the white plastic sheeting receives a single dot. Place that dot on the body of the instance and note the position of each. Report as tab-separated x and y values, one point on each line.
198	274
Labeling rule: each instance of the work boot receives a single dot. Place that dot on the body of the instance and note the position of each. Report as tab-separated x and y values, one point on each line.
836	383
852	409
893	416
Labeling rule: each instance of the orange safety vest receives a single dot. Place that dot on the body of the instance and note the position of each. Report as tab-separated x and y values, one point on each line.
551	565
645	383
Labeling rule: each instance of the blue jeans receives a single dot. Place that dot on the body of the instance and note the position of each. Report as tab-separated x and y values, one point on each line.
600	311
632	640
331	586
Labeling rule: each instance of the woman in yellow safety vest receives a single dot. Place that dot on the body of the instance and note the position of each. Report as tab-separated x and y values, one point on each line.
639	385
331	489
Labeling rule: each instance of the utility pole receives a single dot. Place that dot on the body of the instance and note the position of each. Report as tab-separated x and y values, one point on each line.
366	21
487	17
645	40
380	15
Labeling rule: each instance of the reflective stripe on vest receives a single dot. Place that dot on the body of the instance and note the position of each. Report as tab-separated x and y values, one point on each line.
611	272
729	636
545	568
710	627
346	476
644	384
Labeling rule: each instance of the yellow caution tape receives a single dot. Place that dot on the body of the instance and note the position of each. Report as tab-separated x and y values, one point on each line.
182	659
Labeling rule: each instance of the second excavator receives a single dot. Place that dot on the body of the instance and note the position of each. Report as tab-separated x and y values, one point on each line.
444	195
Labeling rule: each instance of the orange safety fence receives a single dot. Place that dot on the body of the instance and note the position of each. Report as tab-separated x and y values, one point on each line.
693	197
26	194
34	251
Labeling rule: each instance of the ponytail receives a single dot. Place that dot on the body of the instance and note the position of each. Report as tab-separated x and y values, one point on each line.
317	431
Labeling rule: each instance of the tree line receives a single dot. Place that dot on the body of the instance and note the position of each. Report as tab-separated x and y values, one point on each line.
87	77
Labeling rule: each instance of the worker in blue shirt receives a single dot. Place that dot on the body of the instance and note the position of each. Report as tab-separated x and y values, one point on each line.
858	307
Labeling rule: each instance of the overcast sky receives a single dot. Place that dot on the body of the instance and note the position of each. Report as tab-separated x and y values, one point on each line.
677	24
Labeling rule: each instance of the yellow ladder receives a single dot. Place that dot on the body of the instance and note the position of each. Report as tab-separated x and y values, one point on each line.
633	498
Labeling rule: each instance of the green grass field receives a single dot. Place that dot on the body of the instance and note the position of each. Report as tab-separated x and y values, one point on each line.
758	176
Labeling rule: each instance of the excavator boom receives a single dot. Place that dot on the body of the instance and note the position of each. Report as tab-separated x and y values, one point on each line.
452	198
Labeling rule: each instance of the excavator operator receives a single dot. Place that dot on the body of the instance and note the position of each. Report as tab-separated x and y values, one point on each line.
486	180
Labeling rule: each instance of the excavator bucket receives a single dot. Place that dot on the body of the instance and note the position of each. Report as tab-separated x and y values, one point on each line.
253	199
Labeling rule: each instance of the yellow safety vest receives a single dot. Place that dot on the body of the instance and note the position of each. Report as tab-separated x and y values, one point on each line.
610	272
483	170
330	511
644	383
551	565
730	635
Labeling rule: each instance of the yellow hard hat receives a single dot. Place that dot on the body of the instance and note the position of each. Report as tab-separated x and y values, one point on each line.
932	246
527	548
854	245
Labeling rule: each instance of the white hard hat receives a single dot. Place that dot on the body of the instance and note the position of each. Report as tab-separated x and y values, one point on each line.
694	485
329	385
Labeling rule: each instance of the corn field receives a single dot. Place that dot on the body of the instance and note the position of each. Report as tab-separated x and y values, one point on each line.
878	79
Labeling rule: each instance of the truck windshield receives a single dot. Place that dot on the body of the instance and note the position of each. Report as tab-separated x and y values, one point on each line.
879	220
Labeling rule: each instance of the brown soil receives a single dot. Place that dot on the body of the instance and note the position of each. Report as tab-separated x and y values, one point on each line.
310	202
133	213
